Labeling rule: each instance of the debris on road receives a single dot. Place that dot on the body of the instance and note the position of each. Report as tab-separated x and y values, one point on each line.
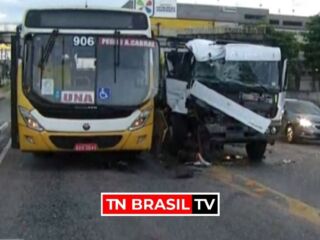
122	165
200	161
182	172
287	161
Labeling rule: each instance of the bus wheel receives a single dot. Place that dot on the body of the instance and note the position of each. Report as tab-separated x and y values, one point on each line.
255	151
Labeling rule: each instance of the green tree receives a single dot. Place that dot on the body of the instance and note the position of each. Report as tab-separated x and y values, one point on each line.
285	40
312	47
290	49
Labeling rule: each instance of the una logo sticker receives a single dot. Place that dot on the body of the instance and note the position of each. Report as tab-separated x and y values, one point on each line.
104	93
78	97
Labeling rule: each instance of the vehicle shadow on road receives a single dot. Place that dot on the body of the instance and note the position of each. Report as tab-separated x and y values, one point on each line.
76	161
128	163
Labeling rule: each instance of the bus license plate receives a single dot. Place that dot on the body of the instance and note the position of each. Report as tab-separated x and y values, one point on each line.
85	147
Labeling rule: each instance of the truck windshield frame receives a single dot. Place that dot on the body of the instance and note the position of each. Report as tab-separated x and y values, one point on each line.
263	74
85	57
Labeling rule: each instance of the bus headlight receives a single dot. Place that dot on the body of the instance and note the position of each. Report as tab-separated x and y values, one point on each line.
141	120
30	121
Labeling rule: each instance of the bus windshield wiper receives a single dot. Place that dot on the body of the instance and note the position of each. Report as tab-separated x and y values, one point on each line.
46	51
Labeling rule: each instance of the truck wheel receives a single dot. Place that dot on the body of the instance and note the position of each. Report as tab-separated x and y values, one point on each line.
179	133
256	150
212	152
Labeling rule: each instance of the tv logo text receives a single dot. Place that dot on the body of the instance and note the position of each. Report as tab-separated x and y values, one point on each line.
160	204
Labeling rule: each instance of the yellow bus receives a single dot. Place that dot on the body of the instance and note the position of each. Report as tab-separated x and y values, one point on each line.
83	79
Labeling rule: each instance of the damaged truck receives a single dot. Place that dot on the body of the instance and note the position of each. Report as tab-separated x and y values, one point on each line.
222	93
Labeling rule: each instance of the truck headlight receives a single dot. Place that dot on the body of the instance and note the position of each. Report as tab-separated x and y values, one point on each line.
30	121
305	122
141	120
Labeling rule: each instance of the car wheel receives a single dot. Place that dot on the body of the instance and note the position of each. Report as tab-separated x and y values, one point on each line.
290	134
255	151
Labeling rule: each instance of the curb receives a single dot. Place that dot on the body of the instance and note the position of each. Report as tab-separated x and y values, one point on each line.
3	126
4	138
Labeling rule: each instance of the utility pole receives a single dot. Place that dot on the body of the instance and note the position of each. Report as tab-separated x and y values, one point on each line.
86	4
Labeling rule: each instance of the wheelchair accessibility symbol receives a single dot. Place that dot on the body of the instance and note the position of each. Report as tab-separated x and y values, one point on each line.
104	93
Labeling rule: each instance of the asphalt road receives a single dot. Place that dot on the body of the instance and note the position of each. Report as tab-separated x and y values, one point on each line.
58	197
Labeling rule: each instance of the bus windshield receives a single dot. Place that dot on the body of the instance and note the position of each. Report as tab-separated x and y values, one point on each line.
93	70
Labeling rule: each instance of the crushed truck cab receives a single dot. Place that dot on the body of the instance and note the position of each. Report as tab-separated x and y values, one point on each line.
231	92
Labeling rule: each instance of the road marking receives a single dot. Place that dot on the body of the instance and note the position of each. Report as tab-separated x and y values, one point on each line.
258	190
5	151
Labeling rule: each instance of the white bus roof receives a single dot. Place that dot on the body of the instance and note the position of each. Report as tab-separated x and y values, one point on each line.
83	7
205	50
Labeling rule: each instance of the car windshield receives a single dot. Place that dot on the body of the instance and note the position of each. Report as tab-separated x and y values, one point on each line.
302	107
93	70
250	73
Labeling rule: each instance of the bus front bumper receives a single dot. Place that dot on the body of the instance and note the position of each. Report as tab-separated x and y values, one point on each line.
33	141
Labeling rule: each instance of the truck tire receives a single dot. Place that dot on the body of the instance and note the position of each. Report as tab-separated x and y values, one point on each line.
179	127
212	152
255	151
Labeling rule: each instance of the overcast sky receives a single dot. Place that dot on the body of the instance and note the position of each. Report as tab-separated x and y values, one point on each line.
289	7
11	10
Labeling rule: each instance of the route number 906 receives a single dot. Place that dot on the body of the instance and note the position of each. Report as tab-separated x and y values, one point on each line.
83	41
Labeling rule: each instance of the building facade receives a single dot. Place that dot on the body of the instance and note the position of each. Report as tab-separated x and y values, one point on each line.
195	18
